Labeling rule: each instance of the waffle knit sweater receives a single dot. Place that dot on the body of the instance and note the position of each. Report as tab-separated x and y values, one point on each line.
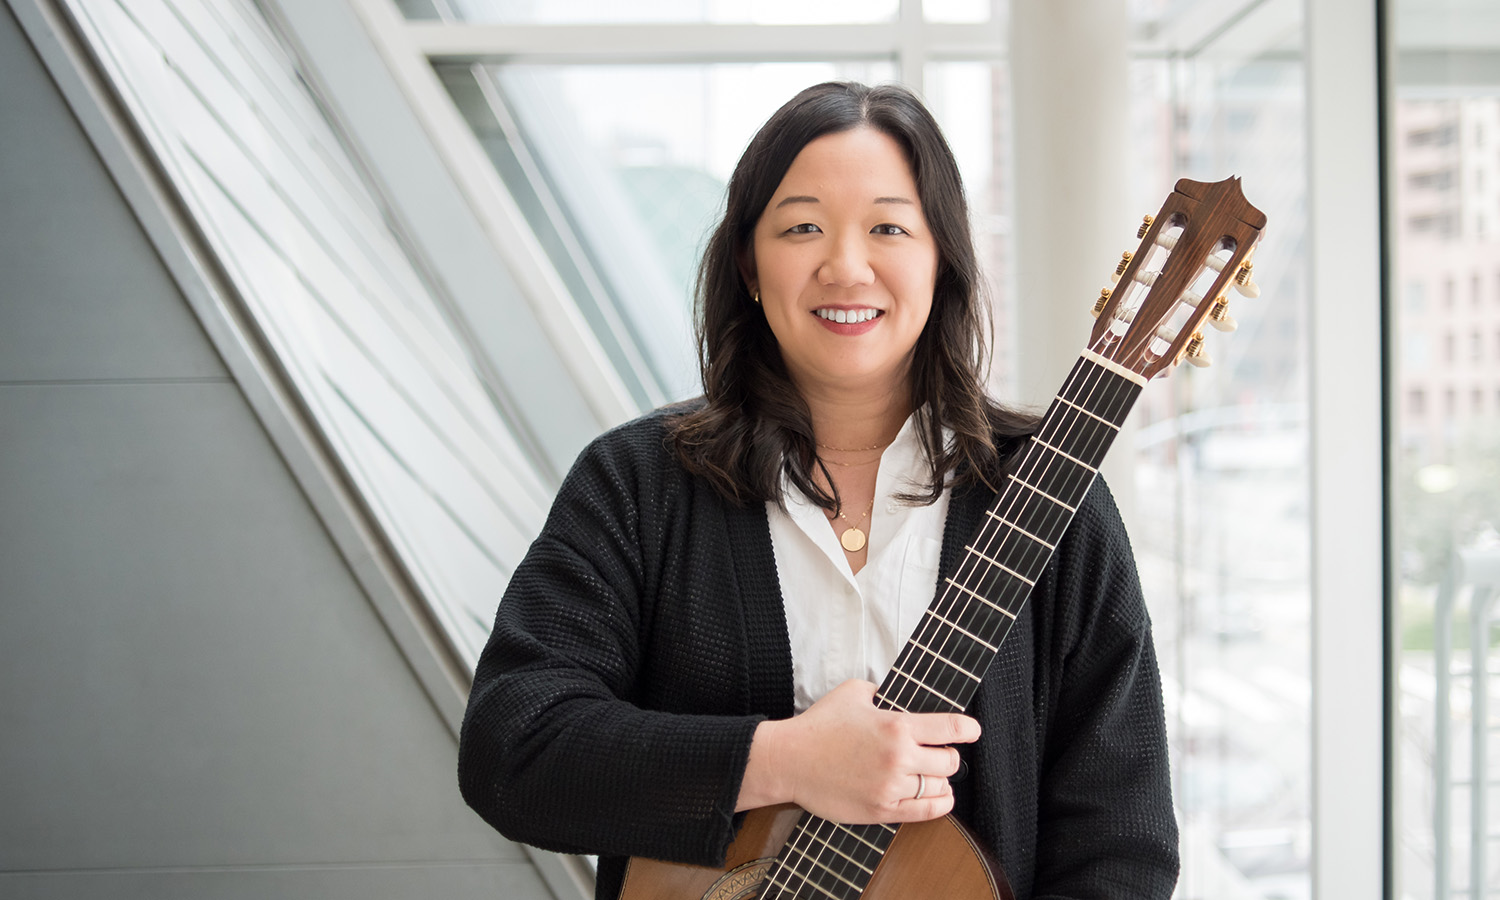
642	639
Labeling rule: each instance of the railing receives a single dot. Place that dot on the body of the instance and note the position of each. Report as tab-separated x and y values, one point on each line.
1473	574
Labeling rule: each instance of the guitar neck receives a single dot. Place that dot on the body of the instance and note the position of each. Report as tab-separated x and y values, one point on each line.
960	634
1174	284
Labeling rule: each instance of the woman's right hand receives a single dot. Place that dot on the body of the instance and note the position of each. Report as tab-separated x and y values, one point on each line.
848	761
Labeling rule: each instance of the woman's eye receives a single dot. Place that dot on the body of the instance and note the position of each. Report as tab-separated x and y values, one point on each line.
804	228
888	229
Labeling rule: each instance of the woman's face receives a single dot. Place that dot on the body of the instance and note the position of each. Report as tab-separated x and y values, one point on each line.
845	263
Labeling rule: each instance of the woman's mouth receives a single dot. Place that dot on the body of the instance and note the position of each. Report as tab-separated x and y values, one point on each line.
848	316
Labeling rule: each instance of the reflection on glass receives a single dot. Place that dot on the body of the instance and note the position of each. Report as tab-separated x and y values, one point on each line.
758	12
1444	151
621	172
364	342
971	100
1222	473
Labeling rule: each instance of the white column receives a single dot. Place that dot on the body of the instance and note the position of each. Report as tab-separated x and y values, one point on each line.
1069	68
1348	489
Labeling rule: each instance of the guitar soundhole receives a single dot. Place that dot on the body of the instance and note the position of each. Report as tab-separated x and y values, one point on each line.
742	882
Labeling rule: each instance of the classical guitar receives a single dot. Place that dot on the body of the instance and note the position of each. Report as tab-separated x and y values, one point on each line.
1190	254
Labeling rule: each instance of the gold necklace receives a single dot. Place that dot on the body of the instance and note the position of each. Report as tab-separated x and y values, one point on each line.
853	539
854	449
834	462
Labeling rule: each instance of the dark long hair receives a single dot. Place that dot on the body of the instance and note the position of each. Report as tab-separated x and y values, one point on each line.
754	424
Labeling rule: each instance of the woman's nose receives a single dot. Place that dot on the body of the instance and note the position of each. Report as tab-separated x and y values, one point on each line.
847	264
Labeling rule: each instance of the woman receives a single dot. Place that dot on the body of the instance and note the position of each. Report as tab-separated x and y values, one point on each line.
697	630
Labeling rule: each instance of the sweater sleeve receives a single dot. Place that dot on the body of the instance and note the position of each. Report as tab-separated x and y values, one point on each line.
555	750
1106	825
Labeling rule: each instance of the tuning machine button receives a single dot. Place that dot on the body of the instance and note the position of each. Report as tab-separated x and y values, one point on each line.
1219	316
1146	223
1242	282
1102	302
1195	353
1125	259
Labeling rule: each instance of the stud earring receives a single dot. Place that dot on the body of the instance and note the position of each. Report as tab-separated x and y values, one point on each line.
756	298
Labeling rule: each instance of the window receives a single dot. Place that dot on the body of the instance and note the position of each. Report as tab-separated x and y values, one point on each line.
363	337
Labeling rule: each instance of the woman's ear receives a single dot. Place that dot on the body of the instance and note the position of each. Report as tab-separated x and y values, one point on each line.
744	260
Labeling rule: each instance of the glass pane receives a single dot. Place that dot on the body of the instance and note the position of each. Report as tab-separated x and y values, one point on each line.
971	100
419	9
1222	473
757	12
366	345
956	11
1444	151
621	171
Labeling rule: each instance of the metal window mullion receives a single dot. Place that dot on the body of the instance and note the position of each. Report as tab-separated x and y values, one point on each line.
1347	485
909	37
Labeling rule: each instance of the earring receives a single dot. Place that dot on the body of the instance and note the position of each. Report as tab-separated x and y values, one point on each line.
756	298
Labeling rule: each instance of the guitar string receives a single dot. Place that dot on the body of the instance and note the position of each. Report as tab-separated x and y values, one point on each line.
1093	377
992	537
1083	377
1116	406
993	541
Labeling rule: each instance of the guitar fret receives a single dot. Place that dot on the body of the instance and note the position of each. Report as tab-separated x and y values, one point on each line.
928	688
981	598
1000	565
951	664
858	837
964	631
1004	521
1090	413
1064	454
807	877
821	866
1071	509
837	852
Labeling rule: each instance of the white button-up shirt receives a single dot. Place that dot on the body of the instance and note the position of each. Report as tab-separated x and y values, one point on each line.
844	625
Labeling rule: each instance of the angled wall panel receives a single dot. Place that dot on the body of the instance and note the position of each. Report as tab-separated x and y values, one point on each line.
197	696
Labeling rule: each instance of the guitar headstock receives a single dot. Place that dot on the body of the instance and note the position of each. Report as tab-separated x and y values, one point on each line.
1191	252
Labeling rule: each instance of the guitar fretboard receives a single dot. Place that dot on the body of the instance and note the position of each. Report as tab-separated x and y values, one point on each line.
960	634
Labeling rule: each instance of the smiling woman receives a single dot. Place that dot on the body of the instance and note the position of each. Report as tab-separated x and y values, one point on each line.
698	629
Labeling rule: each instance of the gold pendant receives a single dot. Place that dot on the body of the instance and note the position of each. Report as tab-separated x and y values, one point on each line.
853	540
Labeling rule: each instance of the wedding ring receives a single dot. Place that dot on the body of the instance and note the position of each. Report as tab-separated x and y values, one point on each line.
921	787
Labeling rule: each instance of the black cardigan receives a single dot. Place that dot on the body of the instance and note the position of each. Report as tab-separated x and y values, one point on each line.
642	639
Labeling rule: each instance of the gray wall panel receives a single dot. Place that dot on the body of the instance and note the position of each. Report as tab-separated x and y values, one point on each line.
82	295
196	696
200	680
502	881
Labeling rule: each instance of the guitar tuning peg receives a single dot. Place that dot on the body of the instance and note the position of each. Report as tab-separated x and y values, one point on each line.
1101	302
1195	353
1220	318
1242	282
1145	226
1125	259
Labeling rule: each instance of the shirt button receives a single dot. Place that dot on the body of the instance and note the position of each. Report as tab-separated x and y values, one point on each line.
890	508
849	590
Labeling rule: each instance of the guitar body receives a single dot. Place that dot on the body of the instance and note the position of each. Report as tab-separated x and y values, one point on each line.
939	860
